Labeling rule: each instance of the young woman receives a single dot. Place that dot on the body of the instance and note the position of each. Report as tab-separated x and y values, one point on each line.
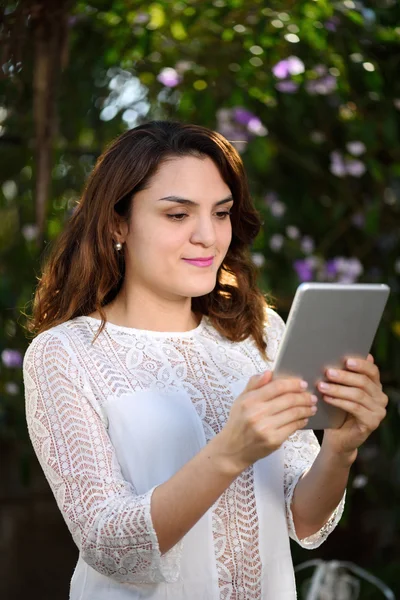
179	465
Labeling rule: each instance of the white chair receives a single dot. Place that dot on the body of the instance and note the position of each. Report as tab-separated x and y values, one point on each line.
337	580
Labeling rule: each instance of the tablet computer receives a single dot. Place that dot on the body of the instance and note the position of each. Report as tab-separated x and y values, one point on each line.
327	323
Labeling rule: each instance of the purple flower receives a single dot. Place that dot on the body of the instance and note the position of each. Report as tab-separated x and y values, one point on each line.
278	209
239	124
281	70
349	166
323	86
345	278
276	242
346	270
303	269
141	18
169	77
320	70
354	267
331	24
355	167
258	259
356	148
249	120
287	87
242	115
255	126
289	66
307	244
292	232
330	268
338	166
11	358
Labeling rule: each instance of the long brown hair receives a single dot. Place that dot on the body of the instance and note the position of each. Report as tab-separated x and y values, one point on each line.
83	272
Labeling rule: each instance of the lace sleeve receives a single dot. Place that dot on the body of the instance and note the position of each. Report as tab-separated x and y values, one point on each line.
110	523
300	451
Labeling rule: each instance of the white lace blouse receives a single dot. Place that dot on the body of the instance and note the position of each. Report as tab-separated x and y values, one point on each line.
112	420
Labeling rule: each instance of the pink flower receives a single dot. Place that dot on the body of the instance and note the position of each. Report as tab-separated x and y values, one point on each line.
169	77
288	66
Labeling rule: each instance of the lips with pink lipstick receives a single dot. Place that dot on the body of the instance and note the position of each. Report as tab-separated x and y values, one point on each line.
200	262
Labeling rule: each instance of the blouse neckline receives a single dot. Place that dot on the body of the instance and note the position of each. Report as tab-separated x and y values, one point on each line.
147	332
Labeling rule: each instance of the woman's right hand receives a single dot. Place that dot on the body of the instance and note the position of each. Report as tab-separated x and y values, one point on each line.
262	417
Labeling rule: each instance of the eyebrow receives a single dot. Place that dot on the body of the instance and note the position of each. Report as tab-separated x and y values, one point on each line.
191	202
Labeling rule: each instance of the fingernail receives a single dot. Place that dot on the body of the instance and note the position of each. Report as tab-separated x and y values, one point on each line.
314	399
351	363
332	373
313	409
323	386
304	385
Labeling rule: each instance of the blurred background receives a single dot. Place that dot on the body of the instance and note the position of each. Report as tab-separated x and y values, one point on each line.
309	93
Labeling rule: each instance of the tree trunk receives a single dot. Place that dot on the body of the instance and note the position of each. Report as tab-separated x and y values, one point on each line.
50	28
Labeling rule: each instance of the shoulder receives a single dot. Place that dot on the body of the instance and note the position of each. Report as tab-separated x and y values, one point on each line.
48	346
274	325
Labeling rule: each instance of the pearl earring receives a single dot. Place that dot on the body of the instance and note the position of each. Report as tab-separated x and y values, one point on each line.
118	246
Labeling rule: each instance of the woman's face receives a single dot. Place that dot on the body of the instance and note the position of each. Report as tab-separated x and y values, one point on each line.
181	216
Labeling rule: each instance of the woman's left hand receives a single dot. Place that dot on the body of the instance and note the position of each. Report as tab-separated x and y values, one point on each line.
358	391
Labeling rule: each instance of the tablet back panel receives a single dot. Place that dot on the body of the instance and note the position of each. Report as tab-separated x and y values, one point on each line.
328	322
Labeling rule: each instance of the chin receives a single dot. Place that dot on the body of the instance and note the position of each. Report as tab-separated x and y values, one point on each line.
196	291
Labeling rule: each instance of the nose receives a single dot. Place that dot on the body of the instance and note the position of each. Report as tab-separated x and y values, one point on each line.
204	232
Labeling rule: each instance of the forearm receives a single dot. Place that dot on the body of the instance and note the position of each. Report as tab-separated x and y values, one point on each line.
320	490
180	502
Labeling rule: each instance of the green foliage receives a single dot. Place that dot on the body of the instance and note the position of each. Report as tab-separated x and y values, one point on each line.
320	142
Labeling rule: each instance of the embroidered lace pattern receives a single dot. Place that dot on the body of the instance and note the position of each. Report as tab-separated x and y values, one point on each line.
67	382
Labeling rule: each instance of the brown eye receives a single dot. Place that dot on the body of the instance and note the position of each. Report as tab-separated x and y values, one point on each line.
178	217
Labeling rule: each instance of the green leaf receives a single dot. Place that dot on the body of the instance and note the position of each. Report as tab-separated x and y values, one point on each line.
355	17
178	30
228	35
157	16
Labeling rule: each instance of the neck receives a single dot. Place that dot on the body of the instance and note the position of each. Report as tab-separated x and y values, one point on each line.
142	310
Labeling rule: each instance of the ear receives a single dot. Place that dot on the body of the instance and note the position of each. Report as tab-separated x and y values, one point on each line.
120	231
